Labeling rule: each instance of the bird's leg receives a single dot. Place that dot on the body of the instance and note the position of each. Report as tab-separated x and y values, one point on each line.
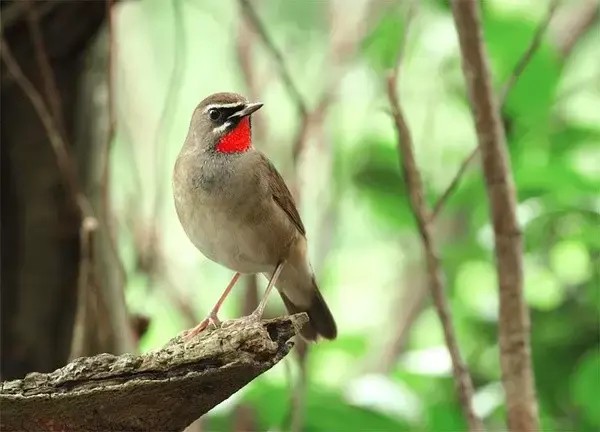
212	317
258	312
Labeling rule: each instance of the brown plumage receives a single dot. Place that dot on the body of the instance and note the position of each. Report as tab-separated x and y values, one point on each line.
237	210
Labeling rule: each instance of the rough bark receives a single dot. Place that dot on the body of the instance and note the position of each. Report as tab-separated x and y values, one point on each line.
515	351
164	390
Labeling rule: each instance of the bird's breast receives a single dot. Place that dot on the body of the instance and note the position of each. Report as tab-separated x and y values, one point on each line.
229	218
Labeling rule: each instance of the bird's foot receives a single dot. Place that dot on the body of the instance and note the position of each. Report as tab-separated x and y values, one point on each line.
193	332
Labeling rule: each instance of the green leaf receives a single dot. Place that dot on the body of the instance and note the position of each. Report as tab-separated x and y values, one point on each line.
570	261
325	411
477	288
585	387
445	417
507	37
542	289
377	176
218	422
381	46
536	177
570	136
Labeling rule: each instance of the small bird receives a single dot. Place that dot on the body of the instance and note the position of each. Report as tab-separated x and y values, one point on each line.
236	209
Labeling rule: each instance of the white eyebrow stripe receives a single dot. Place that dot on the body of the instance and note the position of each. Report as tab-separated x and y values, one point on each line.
225	105
223	127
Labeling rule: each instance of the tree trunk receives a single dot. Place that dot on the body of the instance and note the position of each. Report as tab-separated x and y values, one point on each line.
40	241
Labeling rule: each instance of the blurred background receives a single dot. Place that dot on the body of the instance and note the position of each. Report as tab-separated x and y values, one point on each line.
122	89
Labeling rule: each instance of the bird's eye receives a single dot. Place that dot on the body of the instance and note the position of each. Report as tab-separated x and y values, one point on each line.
214	114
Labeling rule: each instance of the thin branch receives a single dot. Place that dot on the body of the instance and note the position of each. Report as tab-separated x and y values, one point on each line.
414	184
179	300
47	74
312	120
82	342
245	418
57	142
514	324
402	46
111	115
80	204
311	123
150	250
415	187
105	207
586	84
405	311
572	26
534	45
298	396
179	48
439	205
245	43
252	16
505	90
13	12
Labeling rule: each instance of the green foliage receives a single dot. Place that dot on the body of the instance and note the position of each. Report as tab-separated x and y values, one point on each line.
325	411
377	175
381	46
445	417
554	158
585	388
558	200
507	38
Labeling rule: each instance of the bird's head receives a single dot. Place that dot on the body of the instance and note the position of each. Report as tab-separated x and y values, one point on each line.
221	123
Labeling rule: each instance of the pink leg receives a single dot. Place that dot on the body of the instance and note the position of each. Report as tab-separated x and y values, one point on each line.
258	312
212	317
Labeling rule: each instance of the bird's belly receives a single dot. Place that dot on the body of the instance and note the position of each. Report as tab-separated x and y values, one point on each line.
223	239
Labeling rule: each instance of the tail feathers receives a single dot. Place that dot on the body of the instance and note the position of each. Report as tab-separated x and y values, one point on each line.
321	322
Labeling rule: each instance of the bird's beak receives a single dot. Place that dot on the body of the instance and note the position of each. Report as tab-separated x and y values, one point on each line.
247	110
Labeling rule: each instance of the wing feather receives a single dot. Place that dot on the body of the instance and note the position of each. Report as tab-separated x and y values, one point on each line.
282	195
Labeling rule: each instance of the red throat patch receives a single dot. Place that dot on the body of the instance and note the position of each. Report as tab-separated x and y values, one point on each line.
238	140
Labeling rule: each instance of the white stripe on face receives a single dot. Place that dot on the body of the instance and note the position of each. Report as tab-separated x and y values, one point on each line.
223	127
224	105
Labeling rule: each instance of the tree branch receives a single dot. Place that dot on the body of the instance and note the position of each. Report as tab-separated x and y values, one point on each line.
405	309
245	43
413	181
505	90
163	390
47	74
164	120
310	124
528	54
439	205
63	158
105	207
573	25
252	16
13	12
515	351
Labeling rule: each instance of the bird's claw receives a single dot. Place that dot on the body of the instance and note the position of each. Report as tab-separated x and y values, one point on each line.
191	333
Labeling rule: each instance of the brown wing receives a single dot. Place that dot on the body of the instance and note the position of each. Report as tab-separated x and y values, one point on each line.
282	195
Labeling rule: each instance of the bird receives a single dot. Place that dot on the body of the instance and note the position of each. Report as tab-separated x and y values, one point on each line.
236	209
